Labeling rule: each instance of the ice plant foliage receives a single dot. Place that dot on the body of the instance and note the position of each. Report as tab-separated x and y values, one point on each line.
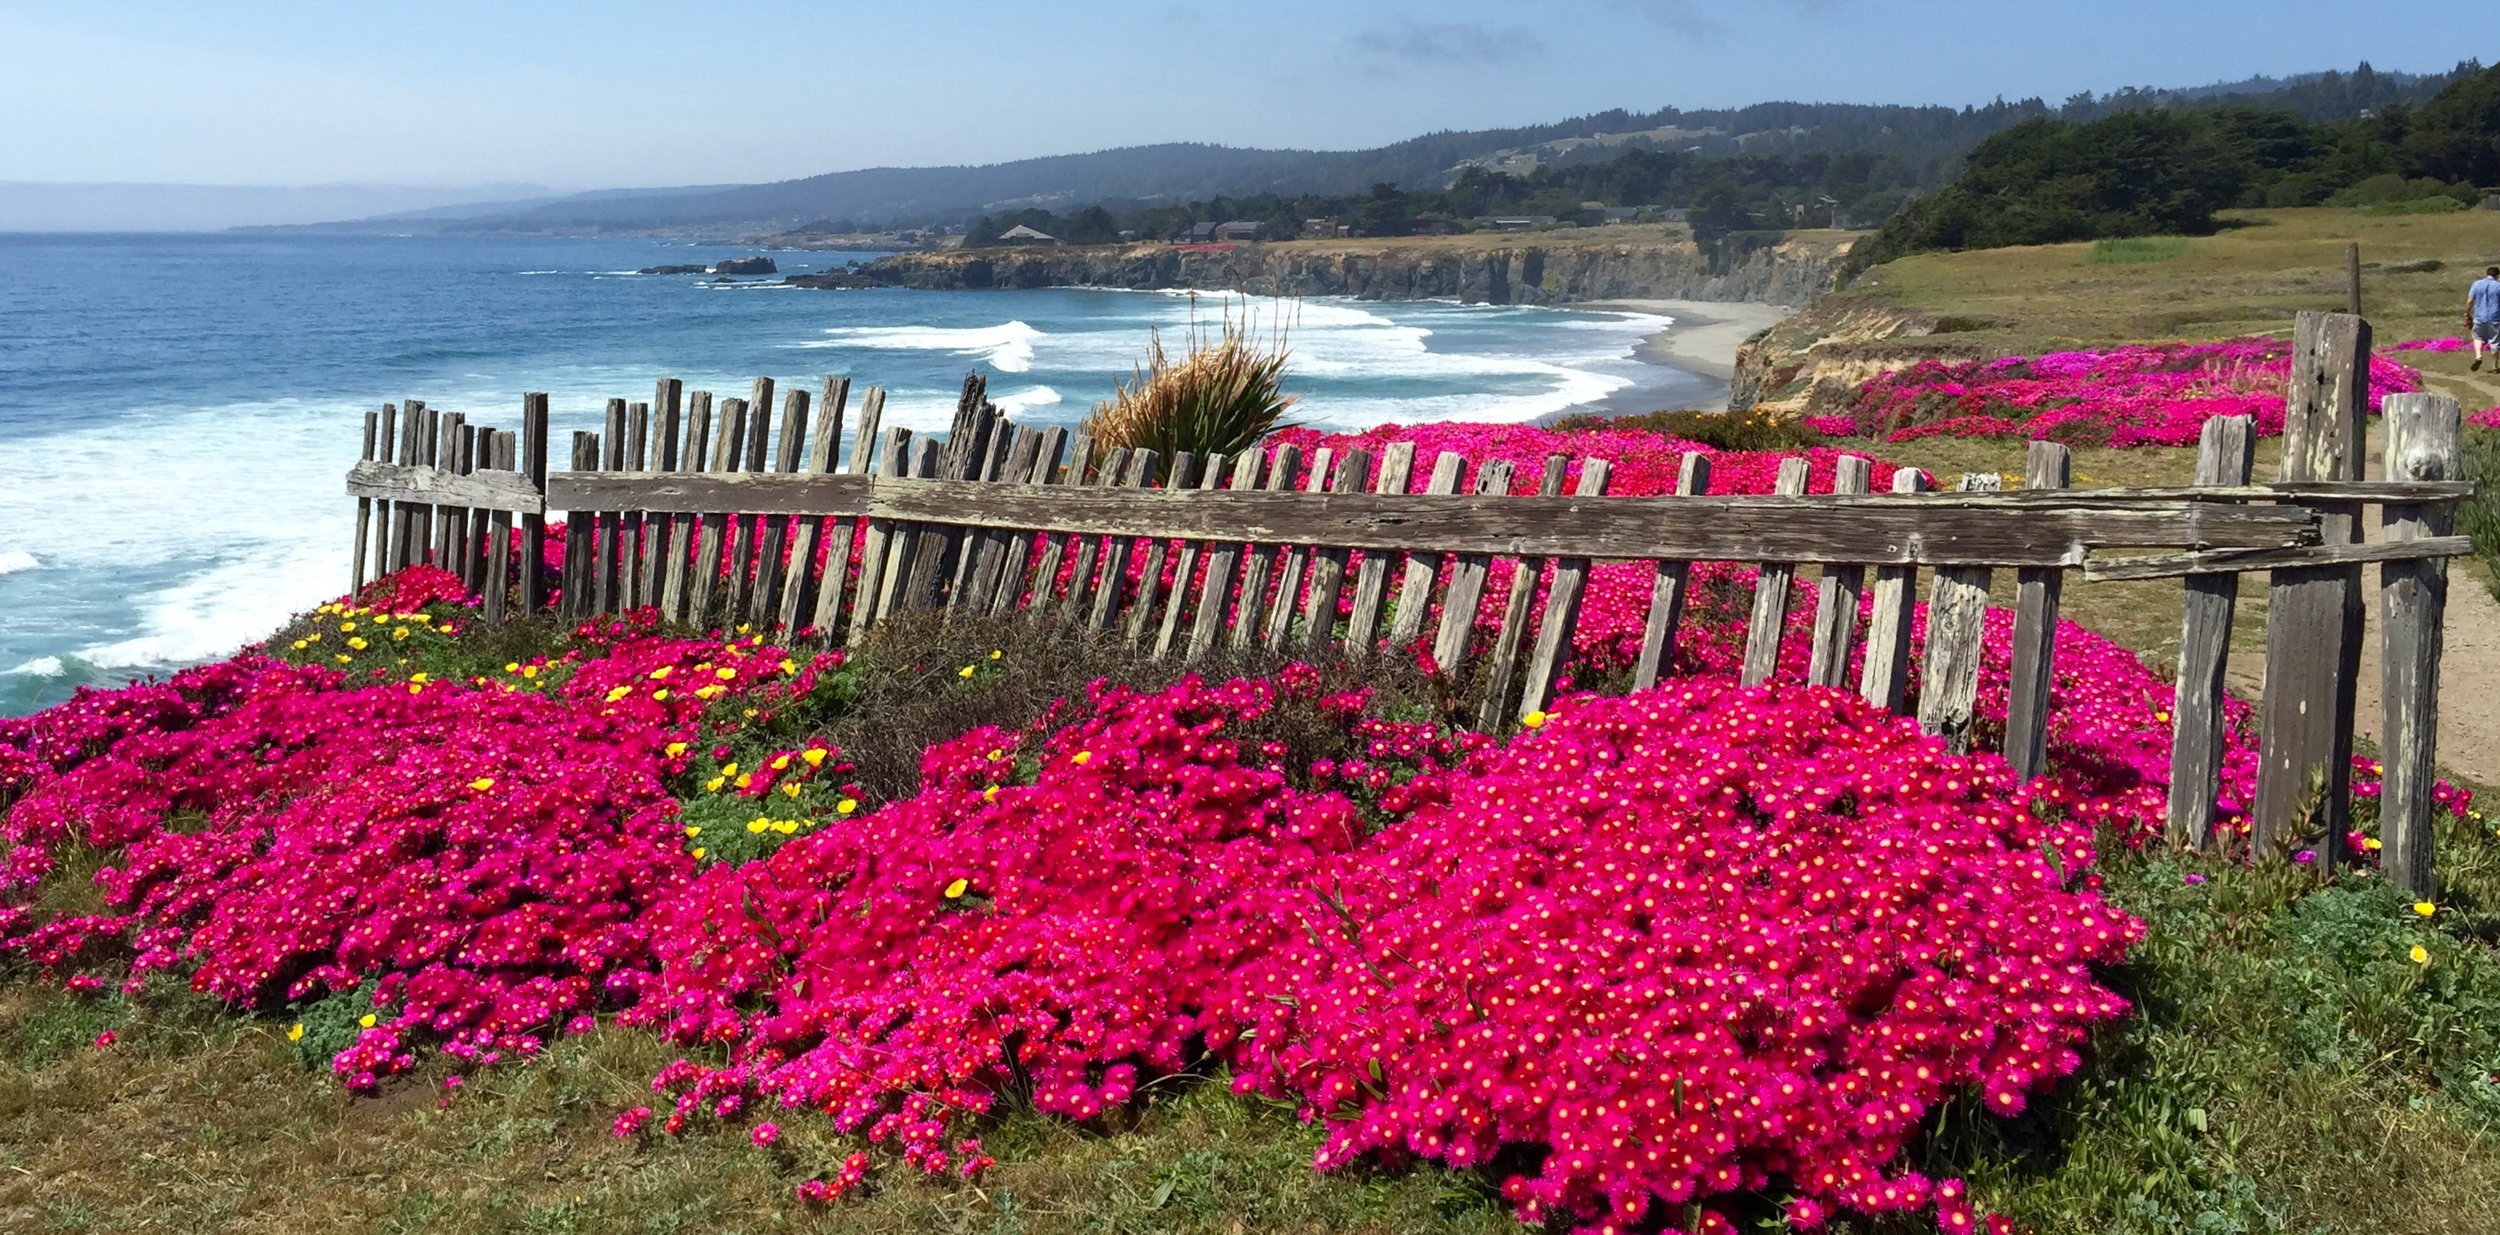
2148	395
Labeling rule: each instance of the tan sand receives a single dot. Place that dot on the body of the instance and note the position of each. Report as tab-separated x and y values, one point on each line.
1706	333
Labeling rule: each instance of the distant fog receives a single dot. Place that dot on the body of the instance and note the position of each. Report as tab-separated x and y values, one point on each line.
27	206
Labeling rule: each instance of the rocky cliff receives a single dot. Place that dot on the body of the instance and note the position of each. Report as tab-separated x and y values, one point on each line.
1667	265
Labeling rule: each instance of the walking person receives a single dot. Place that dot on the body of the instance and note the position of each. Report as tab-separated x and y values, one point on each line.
2482	313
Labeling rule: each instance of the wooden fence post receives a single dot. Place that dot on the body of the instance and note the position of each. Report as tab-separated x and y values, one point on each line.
1216	594
2422	444
1884	679
1115	551
1957	621
1328	564
1502	673
1012	573
1670	588
2225	453
2313	614
533	446
501	458
364	509
1561	617
1371	584
843	533
577	530
2037	593
1836	605
1257	560
1468	572
667	407
1053	548
696	447
797	612
1769	624
764	603
715	529
1185	567
890	463
1292	558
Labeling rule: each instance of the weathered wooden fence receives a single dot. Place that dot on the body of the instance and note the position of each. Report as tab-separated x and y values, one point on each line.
710	514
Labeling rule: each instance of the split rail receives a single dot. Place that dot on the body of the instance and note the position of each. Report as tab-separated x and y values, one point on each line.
712	513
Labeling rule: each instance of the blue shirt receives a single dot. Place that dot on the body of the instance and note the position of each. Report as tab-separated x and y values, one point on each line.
2486	297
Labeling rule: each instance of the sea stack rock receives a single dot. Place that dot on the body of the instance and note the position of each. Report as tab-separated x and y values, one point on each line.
745	265
696	269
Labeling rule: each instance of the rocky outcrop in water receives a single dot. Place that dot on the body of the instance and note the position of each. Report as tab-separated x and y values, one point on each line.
1790	272
697	268
745	265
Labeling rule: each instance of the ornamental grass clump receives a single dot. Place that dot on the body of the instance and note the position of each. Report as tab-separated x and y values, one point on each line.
1222	396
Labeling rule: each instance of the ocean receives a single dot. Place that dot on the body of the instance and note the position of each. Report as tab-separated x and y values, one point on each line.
177	411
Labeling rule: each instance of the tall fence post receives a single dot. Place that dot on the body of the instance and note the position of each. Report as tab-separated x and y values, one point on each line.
2422	444
533	446
2224	456
2313	613
2037	593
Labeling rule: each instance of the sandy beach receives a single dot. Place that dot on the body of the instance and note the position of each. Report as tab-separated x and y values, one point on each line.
1704	337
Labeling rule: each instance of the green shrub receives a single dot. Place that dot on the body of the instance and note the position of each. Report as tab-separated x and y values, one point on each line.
1717	430
2128	250
2420	205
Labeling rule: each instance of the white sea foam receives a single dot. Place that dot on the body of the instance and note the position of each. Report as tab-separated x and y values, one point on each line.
39	667
15	560
1025	400
1007	347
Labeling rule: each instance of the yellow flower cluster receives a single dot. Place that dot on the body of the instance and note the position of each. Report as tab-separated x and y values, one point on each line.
762	824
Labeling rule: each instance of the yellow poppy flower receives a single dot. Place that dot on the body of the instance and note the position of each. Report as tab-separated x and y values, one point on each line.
2421	955
2425	908
1534	720
964	672
674	749
295	1033
482	784
955	890
845	806
815	756
367	1020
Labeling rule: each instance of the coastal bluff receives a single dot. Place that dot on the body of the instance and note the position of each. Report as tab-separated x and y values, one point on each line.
1548	268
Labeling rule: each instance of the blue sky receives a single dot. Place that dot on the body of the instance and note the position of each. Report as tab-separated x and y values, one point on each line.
580	95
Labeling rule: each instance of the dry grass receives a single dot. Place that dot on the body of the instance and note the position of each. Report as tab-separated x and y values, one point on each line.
1220	397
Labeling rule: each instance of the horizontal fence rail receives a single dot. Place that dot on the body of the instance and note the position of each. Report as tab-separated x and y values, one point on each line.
732	511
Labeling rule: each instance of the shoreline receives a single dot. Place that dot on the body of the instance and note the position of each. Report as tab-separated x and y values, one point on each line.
1701	340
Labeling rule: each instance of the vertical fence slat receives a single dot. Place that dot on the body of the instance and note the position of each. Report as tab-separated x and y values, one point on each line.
807	531
1054	548
443	455
1468	572
764	603
629	523
1423	568
577	530
936	546
1216	592
1884	680
667	407
1670	588
1293	558
429	451
1957	618
1146	610
842	533
2038	590
466	523
1836	607
533	448
2422	444
1562	606
499	536
1769	624
604	574
1185	568
988	554
1524	573
1257	561
1109	470
364	509
1110	589
715	526
384	446
890	463
676	594
1328	562
1018	557
2225	454
403	514
2313	615
903	547
1371	583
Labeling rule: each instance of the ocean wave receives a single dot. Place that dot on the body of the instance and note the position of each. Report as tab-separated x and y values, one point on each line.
1007	347
39	667
15	560
1016	401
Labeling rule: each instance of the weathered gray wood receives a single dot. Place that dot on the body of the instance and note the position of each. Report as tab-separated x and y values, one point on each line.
1614	529
630	520
1503	671
1836	604
1671	587
1293	557
609	519
935	541
446	457
843	533
2176	565
771	570
988	556
421	514
2422	444
2038	589
1328	563
1258	553
1561	617
364	509
1957	615
1423	566
1371	585
1145	609
1110	472
379	553
873	547
676	598
577	532
1185	567
752	432
667	400
483	490
903	548
1012	574
710	541
1769	623
1468	570
1215	594
2313	614
1054	548
505	457
463	540
1110	591
806	531
533	448
2226	451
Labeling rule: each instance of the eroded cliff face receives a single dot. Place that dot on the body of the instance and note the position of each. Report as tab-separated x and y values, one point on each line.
1816	361
1792	272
